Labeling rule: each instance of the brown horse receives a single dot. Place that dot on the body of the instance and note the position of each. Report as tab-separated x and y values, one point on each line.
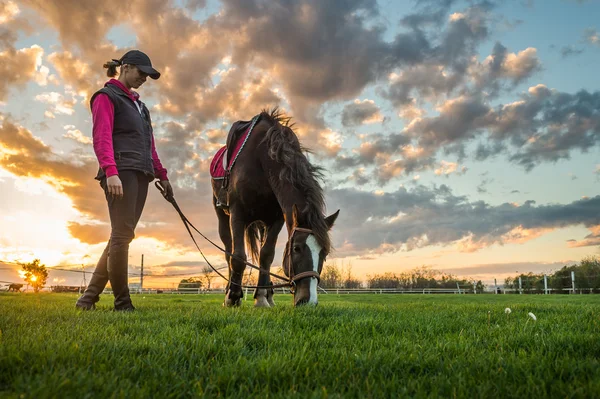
273	184
15	287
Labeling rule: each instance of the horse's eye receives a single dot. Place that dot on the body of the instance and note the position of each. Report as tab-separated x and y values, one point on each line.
296	249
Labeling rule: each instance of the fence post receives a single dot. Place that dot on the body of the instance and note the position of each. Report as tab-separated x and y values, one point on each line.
495	287
545	284
573	280
142	275
520	286
458	287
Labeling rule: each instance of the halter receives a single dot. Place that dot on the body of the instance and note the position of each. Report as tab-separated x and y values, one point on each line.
300	276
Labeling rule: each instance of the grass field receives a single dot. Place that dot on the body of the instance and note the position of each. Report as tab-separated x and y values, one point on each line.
349	346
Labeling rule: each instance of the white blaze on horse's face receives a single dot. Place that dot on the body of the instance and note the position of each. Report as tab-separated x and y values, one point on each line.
315	250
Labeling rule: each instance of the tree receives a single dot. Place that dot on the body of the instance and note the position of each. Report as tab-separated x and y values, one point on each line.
348	279
479	287
35	274
331	277
188	284
208	276
386	280
251	277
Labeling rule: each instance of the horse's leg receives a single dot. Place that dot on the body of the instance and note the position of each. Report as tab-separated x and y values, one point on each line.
233	296
263	297
225	235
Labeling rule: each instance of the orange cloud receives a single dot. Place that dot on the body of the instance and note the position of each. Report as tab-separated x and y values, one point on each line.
18	67
517	235
22	154
88	233
590	240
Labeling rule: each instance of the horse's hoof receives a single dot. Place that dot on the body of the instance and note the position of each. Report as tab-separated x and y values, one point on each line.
231	300
228	303
270	297
261	302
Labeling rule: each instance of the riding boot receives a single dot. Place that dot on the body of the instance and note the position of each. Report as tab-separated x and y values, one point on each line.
97	284
118	276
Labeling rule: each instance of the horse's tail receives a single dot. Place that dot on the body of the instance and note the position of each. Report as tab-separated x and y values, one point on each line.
255	236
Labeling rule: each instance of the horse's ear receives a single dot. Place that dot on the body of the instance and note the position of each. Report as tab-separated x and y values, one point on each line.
294	215
330	220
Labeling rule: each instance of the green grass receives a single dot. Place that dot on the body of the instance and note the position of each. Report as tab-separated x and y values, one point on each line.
349	346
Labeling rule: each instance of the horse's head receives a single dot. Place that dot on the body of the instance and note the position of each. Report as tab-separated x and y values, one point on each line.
304	255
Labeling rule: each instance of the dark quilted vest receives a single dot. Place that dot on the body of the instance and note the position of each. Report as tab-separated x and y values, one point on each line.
132	133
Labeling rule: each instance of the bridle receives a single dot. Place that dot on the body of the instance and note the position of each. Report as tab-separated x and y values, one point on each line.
291	280
300	276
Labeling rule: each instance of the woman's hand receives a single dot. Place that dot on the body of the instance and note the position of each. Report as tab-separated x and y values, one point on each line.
168	190
115	188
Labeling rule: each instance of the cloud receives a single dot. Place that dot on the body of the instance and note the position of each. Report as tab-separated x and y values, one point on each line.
310	63
8	11
84	24
502	69
570	51
75	134
591	36
543	126
57	102
482	187
361	112
312	60
591	240
89	234
501	269
447	168
408	219
18	67
22	154
305	56
84	77
430	81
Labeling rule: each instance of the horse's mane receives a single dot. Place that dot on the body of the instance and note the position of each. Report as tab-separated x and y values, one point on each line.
285	148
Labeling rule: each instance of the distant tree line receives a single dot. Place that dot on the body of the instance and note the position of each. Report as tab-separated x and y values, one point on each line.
334	276
422	277
587	276
188	284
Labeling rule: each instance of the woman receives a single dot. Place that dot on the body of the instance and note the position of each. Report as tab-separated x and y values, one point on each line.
124	145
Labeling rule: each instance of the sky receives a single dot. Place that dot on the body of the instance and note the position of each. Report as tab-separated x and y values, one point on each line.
458	135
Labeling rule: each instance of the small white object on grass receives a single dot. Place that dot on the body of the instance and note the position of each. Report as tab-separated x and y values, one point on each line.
532	316
507	310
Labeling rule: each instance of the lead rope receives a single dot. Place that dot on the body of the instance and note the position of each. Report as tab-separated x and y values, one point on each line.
290	282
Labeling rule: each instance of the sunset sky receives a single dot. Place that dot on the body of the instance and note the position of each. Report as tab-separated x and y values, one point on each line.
458	135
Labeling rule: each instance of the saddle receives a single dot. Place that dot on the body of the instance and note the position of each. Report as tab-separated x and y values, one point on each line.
224	160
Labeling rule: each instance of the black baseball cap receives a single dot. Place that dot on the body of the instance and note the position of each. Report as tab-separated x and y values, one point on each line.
141	61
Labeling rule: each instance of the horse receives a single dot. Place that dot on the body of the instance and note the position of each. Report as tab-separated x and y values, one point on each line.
273	184
15	287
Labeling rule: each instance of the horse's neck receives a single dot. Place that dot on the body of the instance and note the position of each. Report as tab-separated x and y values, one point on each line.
289	196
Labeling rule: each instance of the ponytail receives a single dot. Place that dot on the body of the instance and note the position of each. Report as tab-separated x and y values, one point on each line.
112	67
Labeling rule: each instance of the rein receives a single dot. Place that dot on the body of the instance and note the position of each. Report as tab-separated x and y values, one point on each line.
291	282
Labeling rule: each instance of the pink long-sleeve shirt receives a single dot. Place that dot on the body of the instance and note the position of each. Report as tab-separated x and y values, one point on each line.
103	115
